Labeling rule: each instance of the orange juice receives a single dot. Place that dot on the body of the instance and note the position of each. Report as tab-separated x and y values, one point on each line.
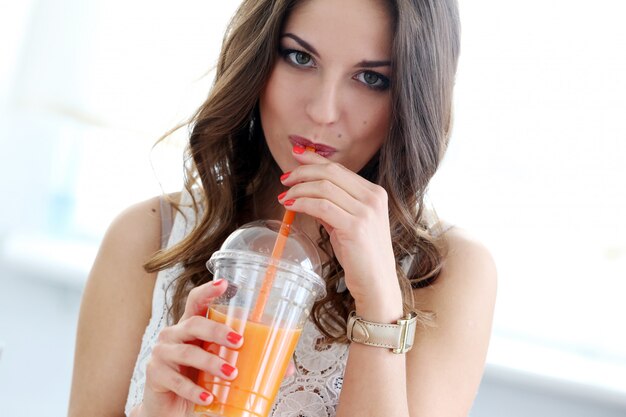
261	363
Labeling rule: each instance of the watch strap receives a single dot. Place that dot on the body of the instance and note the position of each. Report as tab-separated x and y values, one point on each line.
398	337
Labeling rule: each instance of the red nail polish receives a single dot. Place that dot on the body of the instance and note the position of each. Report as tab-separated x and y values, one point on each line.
299	149
289	203
204	396
217	282
233	337
285	176
227	369
281	195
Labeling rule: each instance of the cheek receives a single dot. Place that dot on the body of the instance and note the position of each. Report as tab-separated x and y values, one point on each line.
279	94
268	104
274	111
271	112
373	122
277	106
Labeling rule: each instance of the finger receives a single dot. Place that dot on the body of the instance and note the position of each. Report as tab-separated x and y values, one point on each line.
196	357
200	328
354	184
162	379
323	210
323	189
200	297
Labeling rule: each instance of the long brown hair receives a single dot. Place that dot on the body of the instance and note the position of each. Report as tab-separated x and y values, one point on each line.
424	60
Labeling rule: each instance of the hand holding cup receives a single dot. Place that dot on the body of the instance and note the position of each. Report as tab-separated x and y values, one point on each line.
170	389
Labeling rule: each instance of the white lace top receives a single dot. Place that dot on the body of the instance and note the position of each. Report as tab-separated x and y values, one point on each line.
312	391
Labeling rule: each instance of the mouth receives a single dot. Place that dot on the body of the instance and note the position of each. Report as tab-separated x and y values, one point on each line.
320	148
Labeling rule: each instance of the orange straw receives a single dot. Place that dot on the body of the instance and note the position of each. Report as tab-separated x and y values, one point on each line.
277	253
270	274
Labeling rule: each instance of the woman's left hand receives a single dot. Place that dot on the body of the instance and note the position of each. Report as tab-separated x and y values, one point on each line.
355	214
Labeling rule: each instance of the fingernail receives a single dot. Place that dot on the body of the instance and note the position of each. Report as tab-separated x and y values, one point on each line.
234	338
299	149
289	203
281	195
204	396
218	281
227	369
285	176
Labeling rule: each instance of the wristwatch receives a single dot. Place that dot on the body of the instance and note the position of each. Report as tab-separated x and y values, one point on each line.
398	337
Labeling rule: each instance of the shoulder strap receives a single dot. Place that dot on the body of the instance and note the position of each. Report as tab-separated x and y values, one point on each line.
166	221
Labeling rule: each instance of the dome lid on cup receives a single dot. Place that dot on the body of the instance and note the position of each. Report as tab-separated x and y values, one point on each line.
254	242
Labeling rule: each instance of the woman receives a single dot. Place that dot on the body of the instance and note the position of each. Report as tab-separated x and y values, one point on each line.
366	84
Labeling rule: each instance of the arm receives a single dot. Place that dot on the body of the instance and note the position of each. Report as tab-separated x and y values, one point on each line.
440	376
446	365
114	312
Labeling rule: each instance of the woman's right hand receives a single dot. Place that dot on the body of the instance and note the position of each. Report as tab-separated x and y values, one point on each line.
169	391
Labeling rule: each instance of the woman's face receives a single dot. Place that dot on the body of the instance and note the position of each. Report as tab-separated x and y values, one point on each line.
329	88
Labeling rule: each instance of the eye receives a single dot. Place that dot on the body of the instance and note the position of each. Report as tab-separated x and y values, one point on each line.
301	58
298	58
373	80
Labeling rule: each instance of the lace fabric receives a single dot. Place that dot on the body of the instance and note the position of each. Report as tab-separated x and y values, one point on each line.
313	390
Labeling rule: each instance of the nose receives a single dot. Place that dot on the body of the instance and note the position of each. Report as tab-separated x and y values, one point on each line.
323	106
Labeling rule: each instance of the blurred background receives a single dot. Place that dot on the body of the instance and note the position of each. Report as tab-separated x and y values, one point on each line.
535	170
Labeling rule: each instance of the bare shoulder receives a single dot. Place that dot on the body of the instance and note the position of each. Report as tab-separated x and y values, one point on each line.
136	231
447	360
138	225
115	309
467	282
466	253
467	264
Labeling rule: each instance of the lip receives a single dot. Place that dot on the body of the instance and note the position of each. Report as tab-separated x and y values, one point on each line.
320	148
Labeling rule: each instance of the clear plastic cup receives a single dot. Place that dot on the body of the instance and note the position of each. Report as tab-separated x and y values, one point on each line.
269	343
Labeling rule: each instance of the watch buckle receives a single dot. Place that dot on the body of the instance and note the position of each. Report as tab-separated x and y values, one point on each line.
405	325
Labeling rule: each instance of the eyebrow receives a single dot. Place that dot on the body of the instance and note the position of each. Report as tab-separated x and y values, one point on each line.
373	64
302	43
310	48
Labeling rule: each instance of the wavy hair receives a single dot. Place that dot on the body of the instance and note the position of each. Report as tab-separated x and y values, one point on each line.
222	185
